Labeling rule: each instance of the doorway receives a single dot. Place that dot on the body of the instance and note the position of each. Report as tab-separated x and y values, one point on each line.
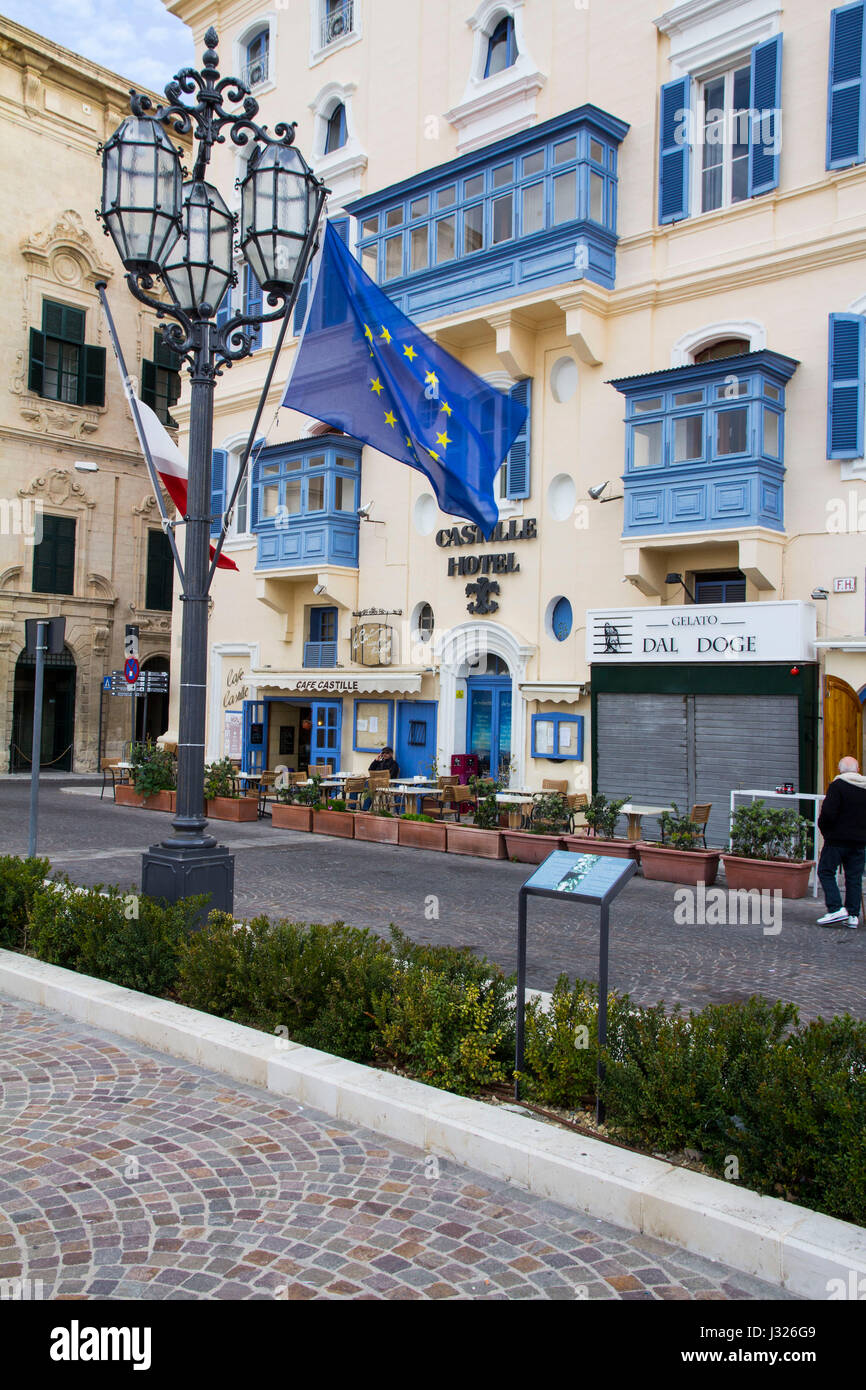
415	747
58	713
488	723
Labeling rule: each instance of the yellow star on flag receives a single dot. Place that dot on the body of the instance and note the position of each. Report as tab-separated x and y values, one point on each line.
432	378
446	407
376	385
368	332
390	418
444	440
433	454
410	352
385	334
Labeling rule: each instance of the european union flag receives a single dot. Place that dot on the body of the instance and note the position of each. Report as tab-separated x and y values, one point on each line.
366	369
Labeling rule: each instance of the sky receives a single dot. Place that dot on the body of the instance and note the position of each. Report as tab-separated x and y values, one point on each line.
138	39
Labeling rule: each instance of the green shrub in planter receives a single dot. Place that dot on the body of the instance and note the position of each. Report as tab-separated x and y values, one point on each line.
311	795
20	881
413	815
561	1044
315	982
152	769
551	814
338	804
487	811
125	938
219	779
447	1017
680	831
760	833
601	815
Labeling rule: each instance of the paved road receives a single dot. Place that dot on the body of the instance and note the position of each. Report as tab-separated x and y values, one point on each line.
125	1174
462	901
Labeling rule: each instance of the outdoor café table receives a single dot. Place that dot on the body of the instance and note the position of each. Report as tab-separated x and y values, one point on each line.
634	814
516	801
417	787
815	797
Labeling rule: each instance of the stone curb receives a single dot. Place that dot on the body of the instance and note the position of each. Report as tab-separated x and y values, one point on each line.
786	1245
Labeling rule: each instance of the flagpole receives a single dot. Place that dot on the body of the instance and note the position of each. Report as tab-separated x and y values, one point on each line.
167	525
303	260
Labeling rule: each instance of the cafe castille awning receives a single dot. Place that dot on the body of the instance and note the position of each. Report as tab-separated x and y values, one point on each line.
385	681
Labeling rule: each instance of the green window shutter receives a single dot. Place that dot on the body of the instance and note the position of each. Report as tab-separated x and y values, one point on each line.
164	356
91	380
160	572
62	321
54	557
148	383
517	484
37	361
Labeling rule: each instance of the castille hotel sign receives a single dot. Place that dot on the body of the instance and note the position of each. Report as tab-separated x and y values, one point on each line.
702	632
481	591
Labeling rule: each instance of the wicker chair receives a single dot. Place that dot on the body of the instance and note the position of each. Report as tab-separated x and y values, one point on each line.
700	814
109	768
382	798
355	787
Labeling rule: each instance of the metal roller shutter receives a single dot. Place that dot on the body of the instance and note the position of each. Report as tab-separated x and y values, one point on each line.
742	741
642	743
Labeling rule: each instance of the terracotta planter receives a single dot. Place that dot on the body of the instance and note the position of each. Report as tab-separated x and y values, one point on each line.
234	808
689	866
382	830
471	839
287	817
160	801
125	795
593	844
791	879
421	835
530	849
340	823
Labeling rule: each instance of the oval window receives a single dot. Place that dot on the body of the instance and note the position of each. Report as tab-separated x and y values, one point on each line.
425	513
563	379
561	496
561	619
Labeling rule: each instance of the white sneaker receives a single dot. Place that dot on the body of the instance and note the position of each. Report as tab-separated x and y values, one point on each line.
832	919
853	921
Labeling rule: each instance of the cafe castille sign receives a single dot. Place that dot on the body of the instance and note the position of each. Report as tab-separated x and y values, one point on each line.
701	632
483	589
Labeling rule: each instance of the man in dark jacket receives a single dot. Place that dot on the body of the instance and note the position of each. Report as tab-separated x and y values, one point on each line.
385	762
842	822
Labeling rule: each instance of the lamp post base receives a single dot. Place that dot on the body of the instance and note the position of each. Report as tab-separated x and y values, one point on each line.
174	872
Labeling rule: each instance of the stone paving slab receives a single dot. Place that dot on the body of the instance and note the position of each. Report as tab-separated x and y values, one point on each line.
126	1175
452	899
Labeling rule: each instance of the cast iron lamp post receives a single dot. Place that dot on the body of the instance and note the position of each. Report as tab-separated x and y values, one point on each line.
181	234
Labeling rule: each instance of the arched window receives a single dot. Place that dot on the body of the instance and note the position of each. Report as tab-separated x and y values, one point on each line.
426	622
725	347
336	134
501	48
562	619
256	66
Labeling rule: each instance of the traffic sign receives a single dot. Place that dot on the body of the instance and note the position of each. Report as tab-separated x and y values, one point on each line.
106	682
130	670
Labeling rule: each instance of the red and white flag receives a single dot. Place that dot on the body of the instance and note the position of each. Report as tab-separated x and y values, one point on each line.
171	466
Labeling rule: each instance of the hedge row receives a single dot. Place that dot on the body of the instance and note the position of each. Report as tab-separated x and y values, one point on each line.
766	1101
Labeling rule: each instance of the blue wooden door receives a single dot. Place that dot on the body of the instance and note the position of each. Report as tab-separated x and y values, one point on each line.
415	748
255	736
325	738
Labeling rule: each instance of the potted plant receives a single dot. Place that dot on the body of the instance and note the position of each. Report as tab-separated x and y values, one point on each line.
333	819
421	832
290	810
681	856
382	827
601	816
549	823
768	850
222	802
482	838
153	779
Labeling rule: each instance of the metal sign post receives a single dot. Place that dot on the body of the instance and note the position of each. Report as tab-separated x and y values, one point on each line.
584	878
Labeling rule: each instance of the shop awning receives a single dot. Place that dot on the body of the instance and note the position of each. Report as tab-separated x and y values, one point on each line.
562	693
384	681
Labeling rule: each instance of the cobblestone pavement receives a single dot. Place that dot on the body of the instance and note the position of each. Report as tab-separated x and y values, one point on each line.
315	878
125	1174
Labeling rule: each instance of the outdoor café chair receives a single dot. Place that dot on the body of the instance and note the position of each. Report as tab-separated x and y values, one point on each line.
551	785
109	768
355	787
267	792
319	770
700	814
382	798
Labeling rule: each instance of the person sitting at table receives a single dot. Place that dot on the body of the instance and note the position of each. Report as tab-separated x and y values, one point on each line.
385	762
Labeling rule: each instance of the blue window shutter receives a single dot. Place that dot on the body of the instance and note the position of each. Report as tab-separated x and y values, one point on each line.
301	302
224	312
253	302
846	386
517	463
846	100
334	307
674	150
219	468
766	122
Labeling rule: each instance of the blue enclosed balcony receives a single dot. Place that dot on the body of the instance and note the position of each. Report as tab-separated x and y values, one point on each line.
705	445
305	503
536	209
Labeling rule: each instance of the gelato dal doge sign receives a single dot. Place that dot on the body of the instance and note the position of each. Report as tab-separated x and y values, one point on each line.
702	632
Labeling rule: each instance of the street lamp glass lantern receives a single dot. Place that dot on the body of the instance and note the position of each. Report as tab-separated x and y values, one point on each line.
141	193
277	207
199	269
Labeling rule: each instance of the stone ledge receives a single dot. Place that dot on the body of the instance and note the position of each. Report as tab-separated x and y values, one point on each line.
780	1242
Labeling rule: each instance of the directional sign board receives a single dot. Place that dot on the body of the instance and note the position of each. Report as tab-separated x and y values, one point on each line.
147	683
131	670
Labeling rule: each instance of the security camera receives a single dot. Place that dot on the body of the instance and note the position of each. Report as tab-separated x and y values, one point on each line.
595	492
364	512
820	593
318	588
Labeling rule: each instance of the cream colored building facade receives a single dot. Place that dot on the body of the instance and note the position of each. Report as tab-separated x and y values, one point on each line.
62	406
683	248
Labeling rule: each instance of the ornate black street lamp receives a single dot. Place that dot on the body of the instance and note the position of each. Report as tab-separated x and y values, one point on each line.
179	236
